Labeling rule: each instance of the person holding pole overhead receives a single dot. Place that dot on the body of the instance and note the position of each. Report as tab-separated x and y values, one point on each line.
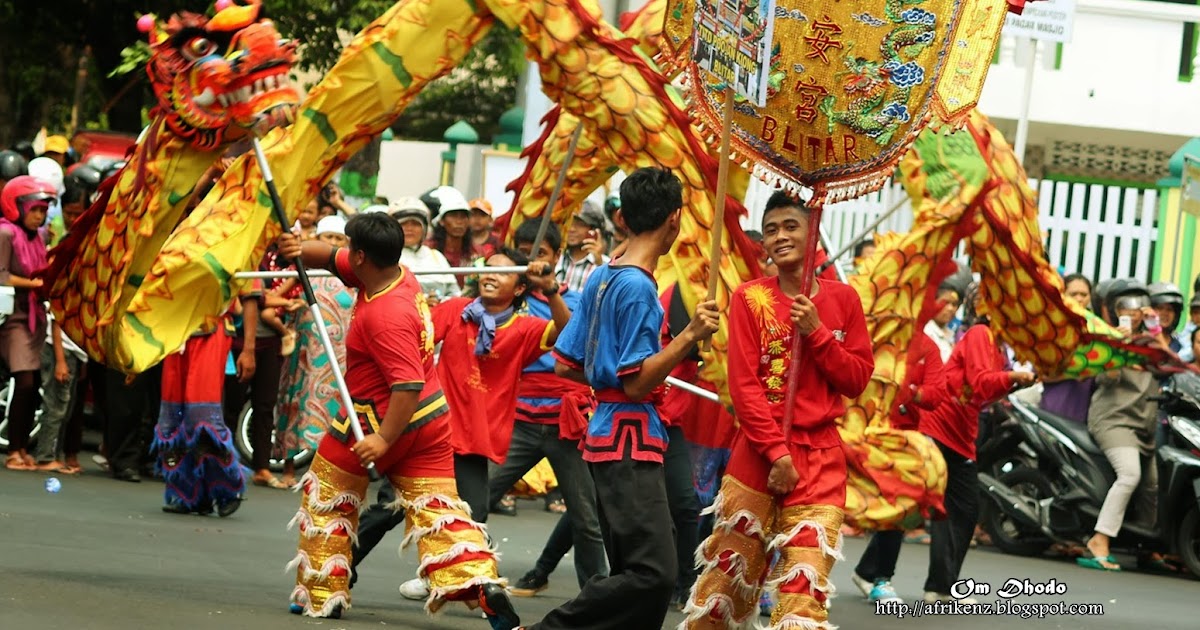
402	411
783	493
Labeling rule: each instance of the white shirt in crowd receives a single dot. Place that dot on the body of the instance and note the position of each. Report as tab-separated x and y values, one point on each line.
943	337
425	258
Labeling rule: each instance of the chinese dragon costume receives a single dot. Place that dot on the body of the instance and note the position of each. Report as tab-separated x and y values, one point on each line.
135	278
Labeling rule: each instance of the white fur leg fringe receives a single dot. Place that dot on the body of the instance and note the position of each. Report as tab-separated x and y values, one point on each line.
822	542
437	596
303	561
300	596
795	622
808	571
438	525
720	604
313	496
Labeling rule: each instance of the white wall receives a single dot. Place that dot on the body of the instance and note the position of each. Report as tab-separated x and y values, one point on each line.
1117	73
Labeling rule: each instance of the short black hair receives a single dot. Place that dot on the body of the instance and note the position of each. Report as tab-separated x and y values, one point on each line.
527	233
520	260
377	235
1194	333
649	197
754	235
946	286
1080	278
863	244
783	199
74	193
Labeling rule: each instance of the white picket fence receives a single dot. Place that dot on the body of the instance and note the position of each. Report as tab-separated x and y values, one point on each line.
1099	231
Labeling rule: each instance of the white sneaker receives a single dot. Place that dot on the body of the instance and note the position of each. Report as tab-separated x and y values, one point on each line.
863	584
415	589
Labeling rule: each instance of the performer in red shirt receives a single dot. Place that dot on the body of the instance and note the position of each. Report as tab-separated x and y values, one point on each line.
486	342
975	378
399	402
924	388
784	496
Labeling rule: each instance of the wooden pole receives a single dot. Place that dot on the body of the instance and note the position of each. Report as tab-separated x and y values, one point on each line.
806	282
718	228
558	188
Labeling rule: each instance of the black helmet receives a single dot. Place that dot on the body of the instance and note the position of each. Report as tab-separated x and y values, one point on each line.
25	149
1098	295
1125	288
85	177
12	165
1167	294
112	169
1164	293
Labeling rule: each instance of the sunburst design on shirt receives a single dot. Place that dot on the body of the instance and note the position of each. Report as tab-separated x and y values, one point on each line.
475	380
761	301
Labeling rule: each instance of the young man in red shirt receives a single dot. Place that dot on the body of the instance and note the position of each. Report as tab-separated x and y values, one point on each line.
976	376
486	342
777	495
402	411
924	388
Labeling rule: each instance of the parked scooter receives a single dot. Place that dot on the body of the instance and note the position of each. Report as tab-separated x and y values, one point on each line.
1059	500
1000	447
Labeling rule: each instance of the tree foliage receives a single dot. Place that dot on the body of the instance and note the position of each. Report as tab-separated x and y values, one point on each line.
41	44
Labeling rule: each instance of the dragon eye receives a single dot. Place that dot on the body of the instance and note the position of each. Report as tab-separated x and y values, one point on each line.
199	47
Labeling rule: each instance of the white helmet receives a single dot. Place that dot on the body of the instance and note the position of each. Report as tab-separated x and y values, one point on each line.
449	200
48	171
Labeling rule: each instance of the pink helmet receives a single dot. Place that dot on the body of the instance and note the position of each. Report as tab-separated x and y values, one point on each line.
20	191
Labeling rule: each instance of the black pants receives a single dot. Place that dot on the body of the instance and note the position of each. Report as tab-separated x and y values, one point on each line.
636	520
471	477
950	538
263	392
878	562
129	413
684	506
681	500
581	524
375	522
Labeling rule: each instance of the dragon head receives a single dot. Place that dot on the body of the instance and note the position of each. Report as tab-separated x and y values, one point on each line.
218	78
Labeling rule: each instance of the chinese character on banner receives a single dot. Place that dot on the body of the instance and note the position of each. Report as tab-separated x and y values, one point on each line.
825	36
811	93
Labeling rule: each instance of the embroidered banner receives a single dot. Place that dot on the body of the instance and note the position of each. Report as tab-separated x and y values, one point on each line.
851	84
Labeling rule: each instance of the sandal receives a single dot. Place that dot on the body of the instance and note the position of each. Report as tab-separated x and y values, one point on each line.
506	506
1107	563
270	482
16	462
919	537
53	467
557	506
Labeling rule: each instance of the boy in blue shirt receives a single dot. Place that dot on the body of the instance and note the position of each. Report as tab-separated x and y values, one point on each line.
613	343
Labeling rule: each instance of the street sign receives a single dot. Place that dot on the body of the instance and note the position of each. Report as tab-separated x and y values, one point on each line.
1189	194
1048	21
733	42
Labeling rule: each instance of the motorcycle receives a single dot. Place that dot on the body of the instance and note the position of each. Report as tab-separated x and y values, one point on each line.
1058	498
1001	447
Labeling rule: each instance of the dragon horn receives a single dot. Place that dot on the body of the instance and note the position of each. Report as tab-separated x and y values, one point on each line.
150	25
232	16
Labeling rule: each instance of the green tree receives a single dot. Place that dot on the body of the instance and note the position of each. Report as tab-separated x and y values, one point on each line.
478	91
41	44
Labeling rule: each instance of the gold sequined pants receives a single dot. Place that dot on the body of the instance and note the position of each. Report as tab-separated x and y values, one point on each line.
749	528
455	556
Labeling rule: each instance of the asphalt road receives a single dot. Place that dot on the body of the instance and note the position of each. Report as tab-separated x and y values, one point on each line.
101	555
